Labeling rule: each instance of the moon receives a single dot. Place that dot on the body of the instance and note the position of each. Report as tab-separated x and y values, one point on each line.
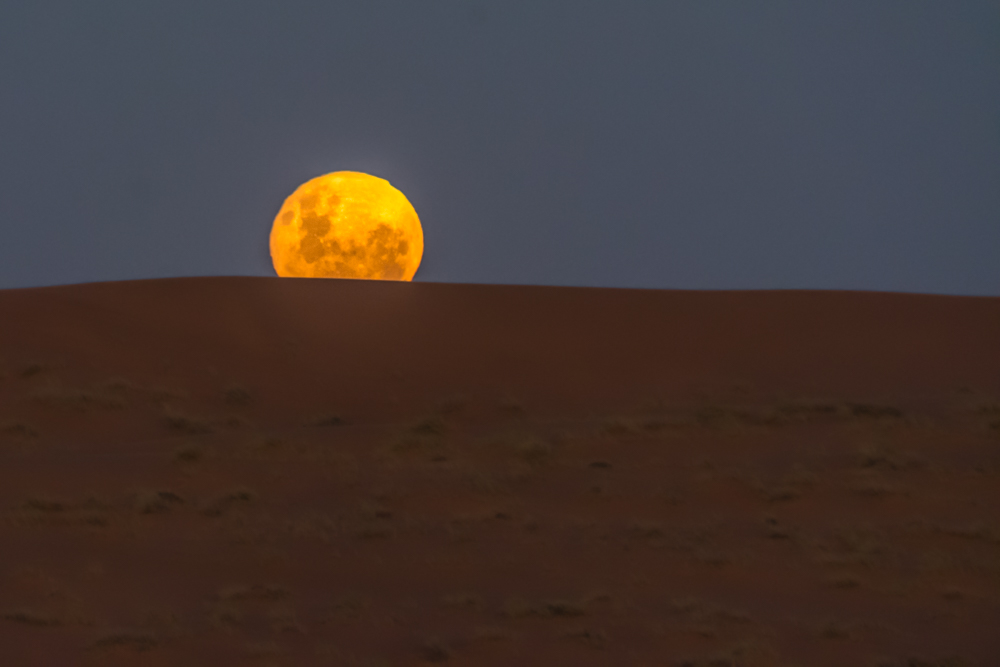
347	225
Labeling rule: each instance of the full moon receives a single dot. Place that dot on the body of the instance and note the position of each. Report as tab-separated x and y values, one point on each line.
347	225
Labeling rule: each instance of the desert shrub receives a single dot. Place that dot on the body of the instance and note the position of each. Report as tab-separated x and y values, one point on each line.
452	404
189	453
433	650
533	449
806	411
57	395
619	427
237	395
221	503
869	411
46	505
154	502
512	407
18	429
329	420
243	593
521	608
180	421
139	641
433	425
463	600
27	617
32	369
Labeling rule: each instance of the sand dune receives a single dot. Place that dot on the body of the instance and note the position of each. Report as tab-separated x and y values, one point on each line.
256	471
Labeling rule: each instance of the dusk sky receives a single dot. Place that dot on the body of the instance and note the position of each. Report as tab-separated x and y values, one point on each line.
688	145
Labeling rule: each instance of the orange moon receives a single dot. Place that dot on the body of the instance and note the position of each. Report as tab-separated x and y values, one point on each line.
347	225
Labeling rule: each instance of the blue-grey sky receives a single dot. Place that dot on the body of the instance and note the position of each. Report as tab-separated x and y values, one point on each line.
696	145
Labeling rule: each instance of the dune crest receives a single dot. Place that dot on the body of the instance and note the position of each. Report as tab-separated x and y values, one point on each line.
305	472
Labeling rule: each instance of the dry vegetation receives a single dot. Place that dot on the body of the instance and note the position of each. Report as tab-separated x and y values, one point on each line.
181	422
328	420
18	429
32	618
127	639
638	484
189	452
277	473
156	502
224	501
237	395
102	396
520	608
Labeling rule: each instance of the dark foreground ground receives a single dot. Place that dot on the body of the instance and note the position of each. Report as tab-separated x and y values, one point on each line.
252	471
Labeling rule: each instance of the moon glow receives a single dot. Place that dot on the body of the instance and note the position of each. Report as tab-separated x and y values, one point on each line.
347	225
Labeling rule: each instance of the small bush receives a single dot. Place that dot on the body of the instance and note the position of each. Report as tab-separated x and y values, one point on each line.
844	581
806	411
237	422
646	529
533	449
375	531
80	399
620	427
138	641
463	600
18	430
242	593
521	608
775	531
563	608
117	386
329	420
512	407
869	411
593	638
237	395
46	505
453	405
988	409
285	620
871	486
434	651
875	456
268	442
221	503
189	453
348	607
179	421
154	502
951	661
835	630
26	617
262	649
492	633
433	425
33	369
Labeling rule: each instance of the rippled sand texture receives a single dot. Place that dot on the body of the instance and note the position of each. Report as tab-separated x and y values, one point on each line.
256	471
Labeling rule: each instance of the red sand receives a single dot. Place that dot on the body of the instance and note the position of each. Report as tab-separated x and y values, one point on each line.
258	471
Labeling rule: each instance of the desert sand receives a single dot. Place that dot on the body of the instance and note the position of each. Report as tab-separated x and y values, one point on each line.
264	471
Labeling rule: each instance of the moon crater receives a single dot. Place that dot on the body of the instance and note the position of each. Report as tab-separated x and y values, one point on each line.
347	225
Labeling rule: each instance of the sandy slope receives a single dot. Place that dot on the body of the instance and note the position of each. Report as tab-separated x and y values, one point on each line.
254	471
